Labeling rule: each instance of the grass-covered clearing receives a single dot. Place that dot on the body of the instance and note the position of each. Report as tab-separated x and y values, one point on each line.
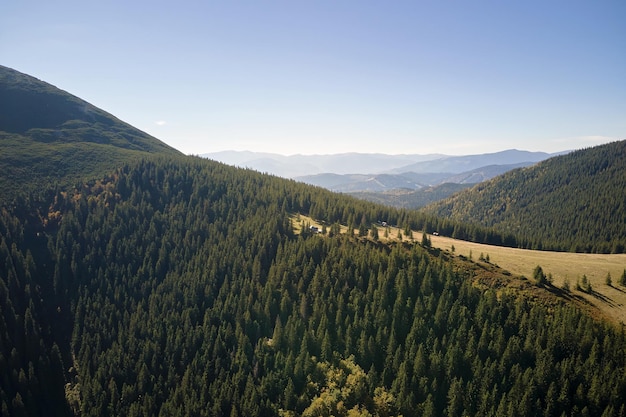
564	267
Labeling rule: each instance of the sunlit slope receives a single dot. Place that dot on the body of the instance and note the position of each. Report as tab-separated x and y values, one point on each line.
566	270
575	202
48	135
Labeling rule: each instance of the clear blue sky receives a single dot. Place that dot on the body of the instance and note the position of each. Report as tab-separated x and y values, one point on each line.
455	77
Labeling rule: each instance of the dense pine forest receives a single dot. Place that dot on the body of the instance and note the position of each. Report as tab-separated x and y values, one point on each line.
574	202
178	287
138	282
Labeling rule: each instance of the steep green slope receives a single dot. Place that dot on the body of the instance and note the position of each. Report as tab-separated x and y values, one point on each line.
177	287
574	202
48	135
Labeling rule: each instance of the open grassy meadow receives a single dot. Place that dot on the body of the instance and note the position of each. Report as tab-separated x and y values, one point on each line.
566	269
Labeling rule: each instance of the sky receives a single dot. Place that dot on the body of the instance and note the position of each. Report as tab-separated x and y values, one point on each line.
326	77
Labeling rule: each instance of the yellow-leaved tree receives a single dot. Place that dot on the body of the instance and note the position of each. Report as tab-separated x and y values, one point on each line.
343	390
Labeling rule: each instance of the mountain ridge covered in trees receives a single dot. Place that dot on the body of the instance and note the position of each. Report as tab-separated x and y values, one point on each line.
574	202
174	285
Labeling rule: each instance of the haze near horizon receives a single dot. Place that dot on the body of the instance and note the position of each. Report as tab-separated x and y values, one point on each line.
325	78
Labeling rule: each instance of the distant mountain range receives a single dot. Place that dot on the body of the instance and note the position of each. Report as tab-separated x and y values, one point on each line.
301	165
349	183
295	166
400	178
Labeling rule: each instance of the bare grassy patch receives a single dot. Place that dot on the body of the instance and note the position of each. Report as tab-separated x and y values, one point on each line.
561	267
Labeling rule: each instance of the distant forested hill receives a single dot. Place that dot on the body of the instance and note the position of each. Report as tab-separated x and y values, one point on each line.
48	135
574	202
412	198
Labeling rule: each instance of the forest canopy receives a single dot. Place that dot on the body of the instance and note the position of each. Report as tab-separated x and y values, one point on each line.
574	202
178	287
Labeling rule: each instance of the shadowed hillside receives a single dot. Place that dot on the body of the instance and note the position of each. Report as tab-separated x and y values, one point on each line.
48	135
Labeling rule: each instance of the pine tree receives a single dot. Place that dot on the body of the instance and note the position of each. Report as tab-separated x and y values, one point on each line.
374	232
539	276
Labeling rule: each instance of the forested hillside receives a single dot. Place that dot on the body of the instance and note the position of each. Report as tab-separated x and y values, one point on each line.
176	286
412	198
50	136
138	282
574	202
